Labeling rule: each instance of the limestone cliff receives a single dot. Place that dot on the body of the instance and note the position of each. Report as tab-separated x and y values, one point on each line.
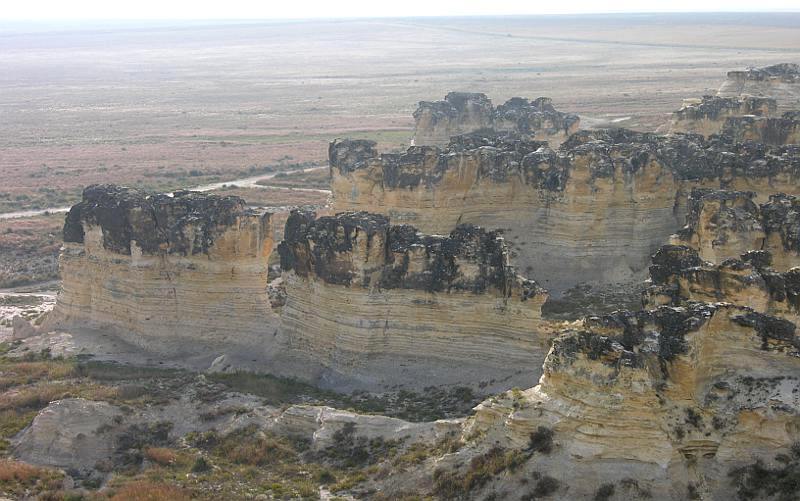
724	224
464	113
779	81
593	210
384	304
775	131
664	404
707	116
161	270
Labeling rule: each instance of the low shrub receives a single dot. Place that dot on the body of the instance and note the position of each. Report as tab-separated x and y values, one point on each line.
482	469
242	447
144	490
541	440
604	492
201	465
545	486
759	480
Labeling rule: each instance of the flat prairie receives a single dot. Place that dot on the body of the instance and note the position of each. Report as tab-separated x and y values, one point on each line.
169	105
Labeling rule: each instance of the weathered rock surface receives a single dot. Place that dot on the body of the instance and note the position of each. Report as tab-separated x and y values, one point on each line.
592	211
71	433
775	131
662	399
464	113
708	115
725	224
384	304
779	81
21	328
680	276
162	270
319	425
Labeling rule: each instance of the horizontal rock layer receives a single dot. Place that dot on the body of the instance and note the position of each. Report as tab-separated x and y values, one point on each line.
679	276
779	81
669	396
162	270
707	116
724	224
384	304
592	211
465	113
775	131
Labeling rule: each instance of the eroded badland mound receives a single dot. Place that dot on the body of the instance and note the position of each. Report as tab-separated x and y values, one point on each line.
426	288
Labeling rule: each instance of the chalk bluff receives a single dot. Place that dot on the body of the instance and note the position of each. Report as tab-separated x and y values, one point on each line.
779	81
385	304
565	212
725	224
464	113
161	270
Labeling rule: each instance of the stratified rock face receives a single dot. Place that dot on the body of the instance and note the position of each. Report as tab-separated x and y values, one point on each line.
723	224
459	113
780	81
384	304
465	113
669	397
592	211
775	131
160	270
707	116
679	276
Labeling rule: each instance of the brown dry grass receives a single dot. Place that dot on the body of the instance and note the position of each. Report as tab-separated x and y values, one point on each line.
145	490
17	471
29	250
23	481
161	455
28	372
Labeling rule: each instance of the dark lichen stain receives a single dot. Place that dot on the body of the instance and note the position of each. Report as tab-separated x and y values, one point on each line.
158	223
325	247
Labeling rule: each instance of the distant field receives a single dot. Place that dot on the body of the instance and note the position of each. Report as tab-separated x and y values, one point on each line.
167	107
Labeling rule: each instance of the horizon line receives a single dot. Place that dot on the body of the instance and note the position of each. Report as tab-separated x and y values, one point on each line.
412	16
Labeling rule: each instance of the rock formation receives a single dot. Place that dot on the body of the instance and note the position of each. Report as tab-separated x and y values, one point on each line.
707	116
775	131
464	113
679	276
162	270
725	224
670	399
779	81
383	304
565	212
70	433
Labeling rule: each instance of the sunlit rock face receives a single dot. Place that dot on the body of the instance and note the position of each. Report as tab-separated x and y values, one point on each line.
708	115
593	210
679	276
465	113
725	224
383	304
779	81
161	271
667	397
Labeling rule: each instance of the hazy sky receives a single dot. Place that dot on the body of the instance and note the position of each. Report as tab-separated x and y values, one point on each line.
277	9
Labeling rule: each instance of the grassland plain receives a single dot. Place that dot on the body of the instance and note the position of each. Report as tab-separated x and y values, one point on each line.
166	106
